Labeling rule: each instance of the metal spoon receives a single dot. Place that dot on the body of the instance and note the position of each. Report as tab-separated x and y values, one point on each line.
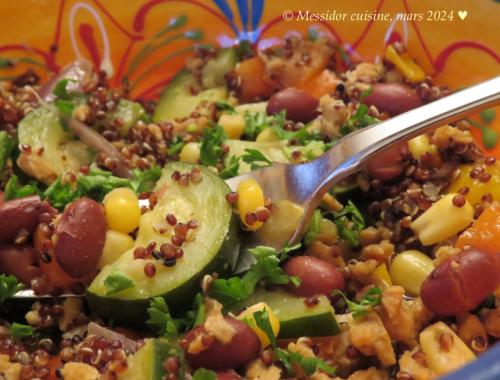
304	185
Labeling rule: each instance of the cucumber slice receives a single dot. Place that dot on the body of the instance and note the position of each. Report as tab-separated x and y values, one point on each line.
297	319
215	248
41	129
128	112
147	363
177	101
215	70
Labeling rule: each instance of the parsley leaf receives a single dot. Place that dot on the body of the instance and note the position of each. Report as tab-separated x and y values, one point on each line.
308	365
349	222
314	228
6	146
197	315
145	180
204	374
231	169
175	146
116	282
211	145
161	320
262	321
60	194
225	107
266	268
287	357
360	119
371	298
8	287
98	183
256	159
60	89
65	109
20	331
13	189
254	124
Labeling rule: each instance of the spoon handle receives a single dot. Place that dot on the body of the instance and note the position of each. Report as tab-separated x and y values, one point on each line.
355	150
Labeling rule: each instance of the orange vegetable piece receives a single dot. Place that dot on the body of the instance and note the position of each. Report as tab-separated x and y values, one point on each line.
253	85
484	234
54	273
53	364
323	83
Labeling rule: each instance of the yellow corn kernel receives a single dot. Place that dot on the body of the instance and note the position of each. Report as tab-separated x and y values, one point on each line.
115	244
442	220
383	275
405	64
190	153
444	350
250	198
478	188
122	210
267	135
248	316
409	269
233	125
418	146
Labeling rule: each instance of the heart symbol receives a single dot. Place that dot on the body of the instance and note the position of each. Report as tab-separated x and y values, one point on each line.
462	14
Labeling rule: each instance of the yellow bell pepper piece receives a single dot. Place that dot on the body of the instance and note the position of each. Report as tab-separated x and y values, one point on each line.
477	186
383	275
405	64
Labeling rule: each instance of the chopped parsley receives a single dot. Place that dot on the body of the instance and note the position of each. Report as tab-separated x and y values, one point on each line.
60	194
256	159
211	145
175	146
160	319
98	183
20	331
8	287
371	298
60	89
314	228
254	124
225	107
359	120
166	326
349	222
266	268
145	180
231	169
204	374
288	357
13	189
117	282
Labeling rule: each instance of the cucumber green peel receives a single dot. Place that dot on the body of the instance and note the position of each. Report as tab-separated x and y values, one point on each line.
215	248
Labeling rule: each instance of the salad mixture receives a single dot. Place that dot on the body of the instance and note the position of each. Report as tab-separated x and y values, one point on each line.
122	205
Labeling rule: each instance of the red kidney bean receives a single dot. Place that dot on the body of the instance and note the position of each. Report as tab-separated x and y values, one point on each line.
387	165
317	276
79	237
228	375
462	282
299	105
244	347
19	214
394	98
19	260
